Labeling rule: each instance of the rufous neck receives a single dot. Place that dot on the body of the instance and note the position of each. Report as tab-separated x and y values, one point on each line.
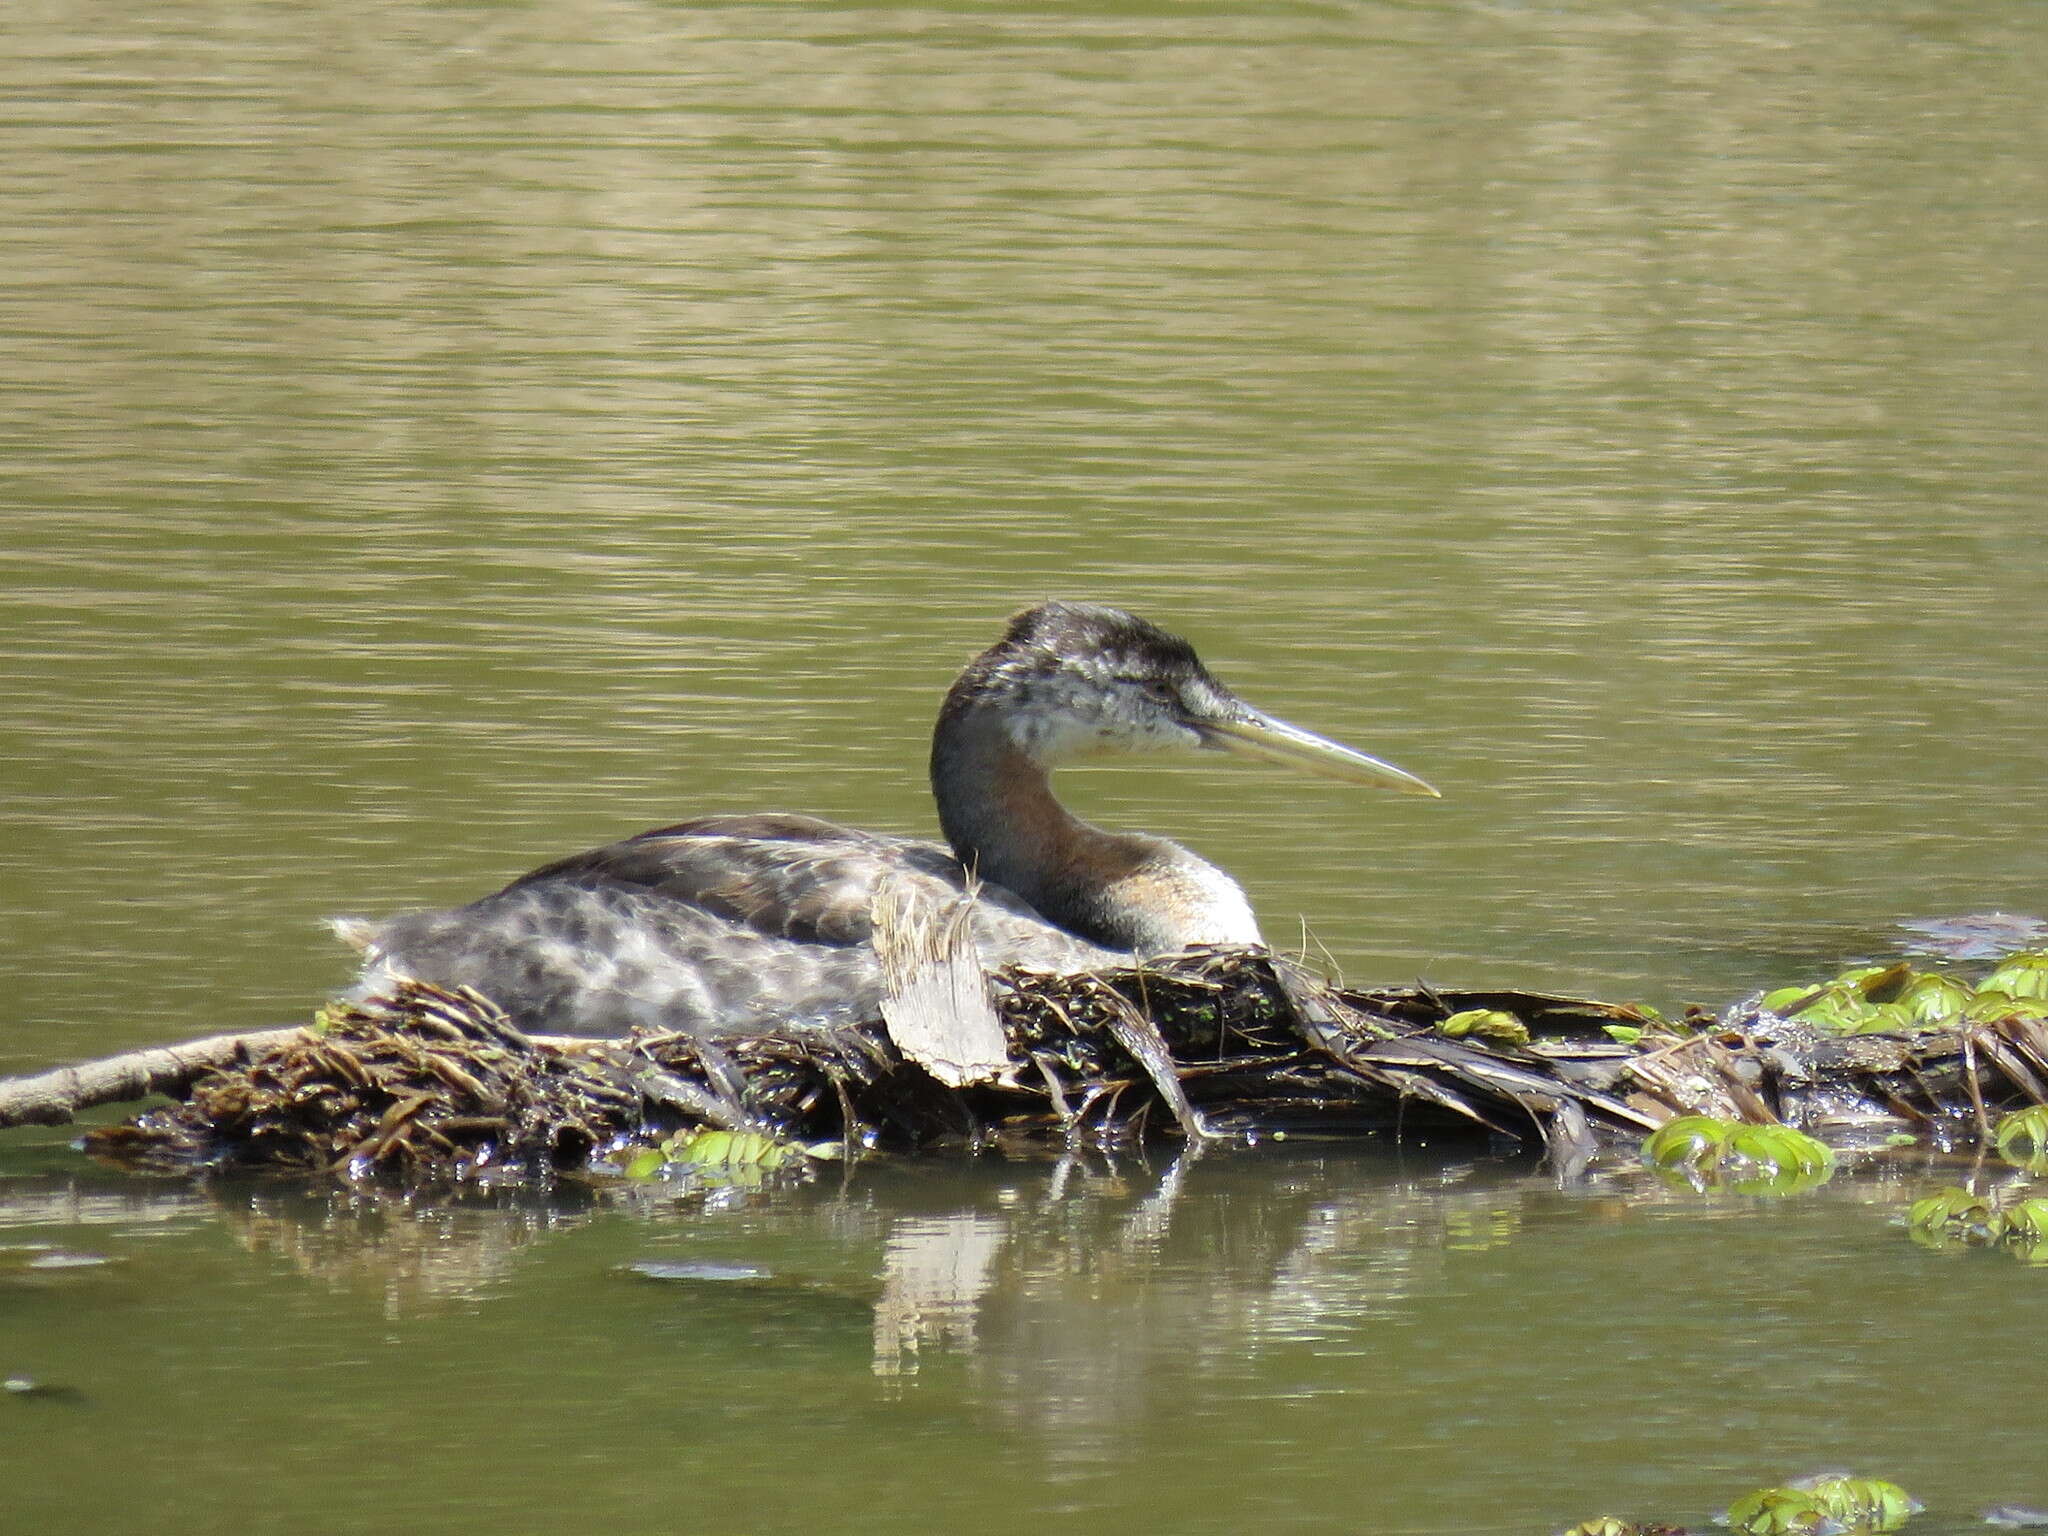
1120	890
997	809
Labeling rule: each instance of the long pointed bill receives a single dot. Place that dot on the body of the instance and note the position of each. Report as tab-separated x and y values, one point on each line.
1253	734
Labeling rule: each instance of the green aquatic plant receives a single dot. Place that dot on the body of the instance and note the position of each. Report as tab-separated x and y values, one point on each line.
2027	1222
731	1149
1895	999
2009	1217
1780	1512
1836	1007
644	1164
1955	1213
1988	1005
1827	1503
1690	1141
1754	1159
1867	999
1861	1503
1647	1020
2022	1138
1779	1149
729	1153
1932	1000
1495	1024
2021	975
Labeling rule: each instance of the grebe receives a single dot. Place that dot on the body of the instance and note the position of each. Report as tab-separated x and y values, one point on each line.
735	923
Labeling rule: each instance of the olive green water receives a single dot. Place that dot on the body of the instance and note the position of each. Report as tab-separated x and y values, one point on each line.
436	437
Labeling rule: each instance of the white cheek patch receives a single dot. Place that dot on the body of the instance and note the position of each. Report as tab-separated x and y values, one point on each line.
1058	738
1054	739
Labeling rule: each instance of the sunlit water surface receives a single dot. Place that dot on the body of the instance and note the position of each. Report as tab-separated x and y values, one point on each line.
1336	1342
437	437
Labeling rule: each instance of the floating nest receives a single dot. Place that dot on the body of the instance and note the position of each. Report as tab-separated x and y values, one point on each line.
424	1083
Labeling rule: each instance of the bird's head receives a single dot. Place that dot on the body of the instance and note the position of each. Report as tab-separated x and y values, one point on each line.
1071	681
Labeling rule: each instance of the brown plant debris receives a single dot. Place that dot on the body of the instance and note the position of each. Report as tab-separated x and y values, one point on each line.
424	1083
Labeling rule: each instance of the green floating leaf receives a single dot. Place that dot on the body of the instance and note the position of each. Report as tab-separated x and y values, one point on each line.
2022	1138
1993	1005
1894	1019
1690	1141
728	1155
1759	1159
2027	1222
1626	1034
1956	1217
1838	1009
2022	975
1487	1024
1873	999
729	1149
1862	1503
645	1164
1789	1000
1952	1211
1933	1000
1780	1512
1776	1149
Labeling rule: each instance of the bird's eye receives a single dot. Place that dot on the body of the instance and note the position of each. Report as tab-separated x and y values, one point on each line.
1159	690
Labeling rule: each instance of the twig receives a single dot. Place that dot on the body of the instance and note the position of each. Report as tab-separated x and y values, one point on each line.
56	1097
